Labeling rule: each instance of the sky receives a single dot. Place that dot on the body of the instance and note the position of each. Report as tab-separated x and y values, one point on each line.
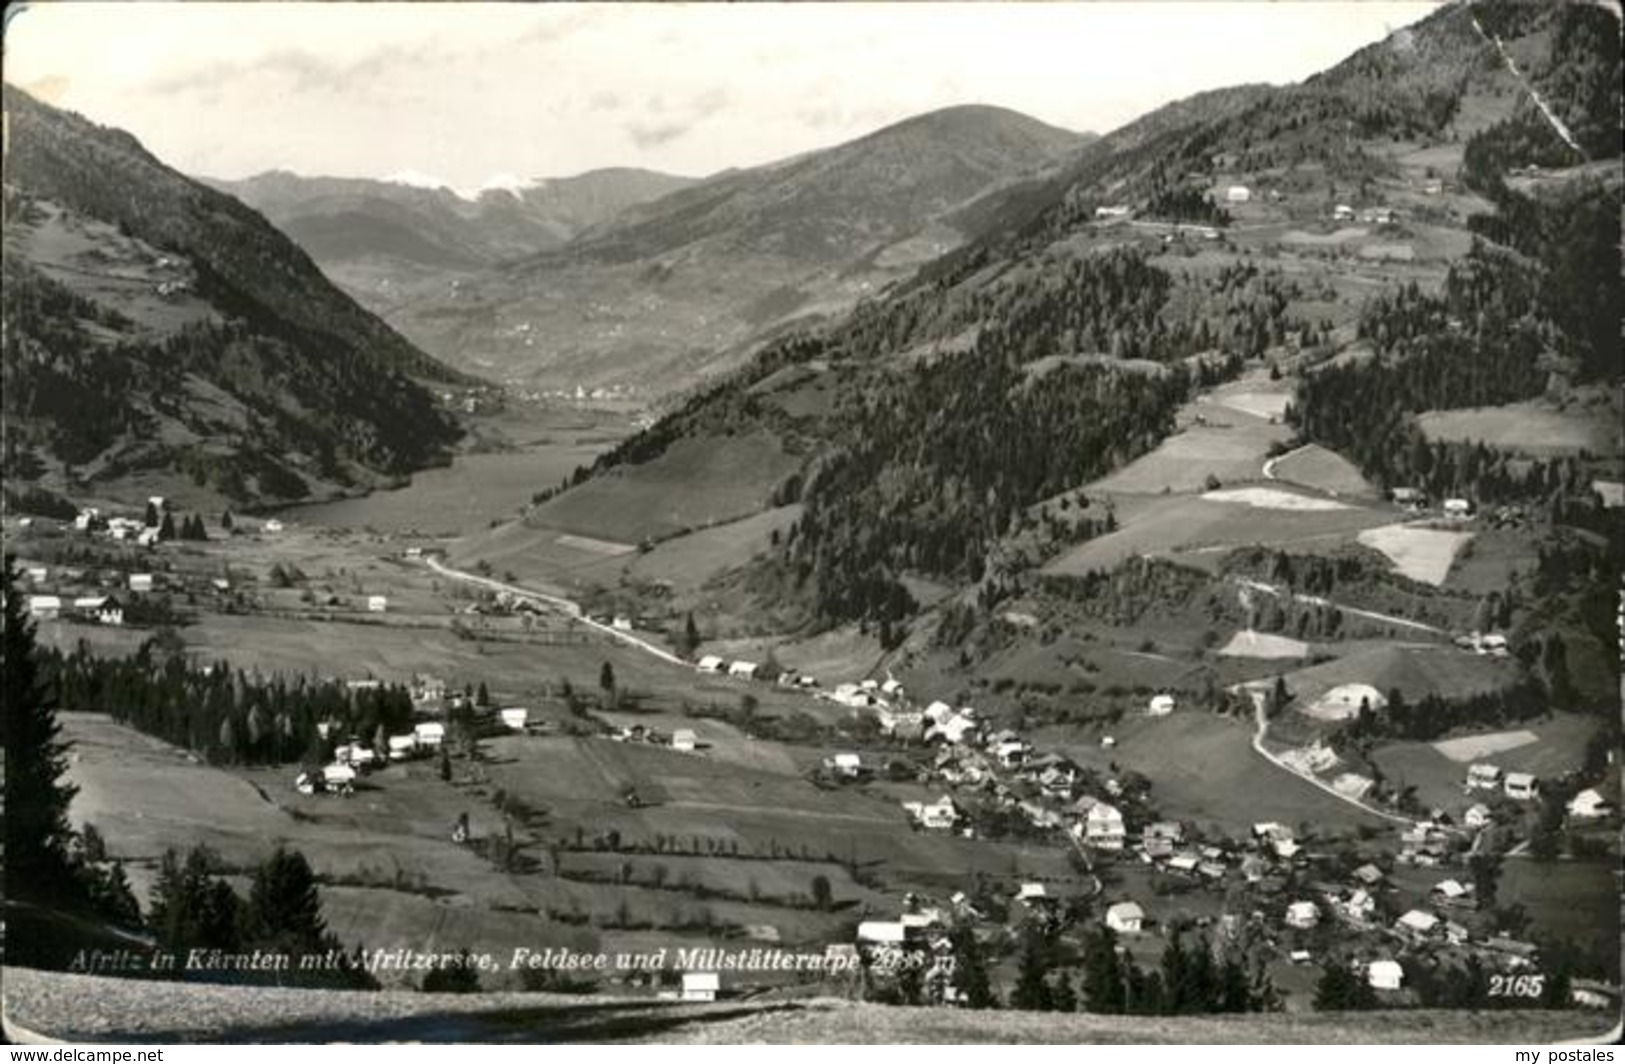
474	95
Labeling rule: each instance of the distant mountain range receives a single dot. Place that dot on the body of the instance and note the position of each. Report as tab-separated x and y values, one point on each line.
627	276
160	335
339	220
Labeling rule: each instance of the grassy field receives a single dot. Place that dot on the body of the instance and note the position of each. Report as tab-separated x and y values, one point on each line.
1250	644
1424	554
1313	466
1415	669
1204	769
1438	776
1533	427
1183	525
698	482
473	490
1576	900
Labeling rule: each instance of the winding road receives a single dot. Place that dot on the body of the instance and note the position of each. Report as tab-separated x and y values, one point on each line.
570	609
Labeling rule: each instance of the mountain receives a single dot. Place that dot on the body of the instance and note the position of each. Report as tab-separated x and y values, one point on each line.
159	334
1444	200
671	289
341	220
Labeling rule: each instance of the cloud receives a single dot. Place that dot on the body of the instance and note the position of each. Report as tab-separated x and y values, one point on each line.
676	120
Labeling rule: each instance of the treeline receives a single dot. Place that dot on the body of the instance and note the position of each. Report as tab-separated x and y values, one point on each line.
1434	716
226	714
193	907
1190	980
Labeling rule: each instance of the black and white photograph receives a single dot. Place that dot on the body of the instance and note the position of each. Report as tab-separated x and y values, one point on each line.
1087	523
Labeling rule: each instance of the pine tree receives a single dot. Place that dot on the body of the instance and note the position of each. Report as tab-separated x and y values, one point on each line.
227	522
691	636
606	679
166	528
37	833
1103	976
1032	992
283	904
970	970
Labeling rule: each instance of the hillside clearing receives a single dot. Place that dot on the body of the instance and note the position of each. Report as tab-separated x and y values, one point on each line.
1423	554
1272	499
1313	466
1478	747
1251	644
1532	428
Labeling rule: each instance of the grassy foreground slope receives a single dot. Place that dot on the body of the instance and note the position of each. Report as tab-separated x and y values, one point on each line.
94	1008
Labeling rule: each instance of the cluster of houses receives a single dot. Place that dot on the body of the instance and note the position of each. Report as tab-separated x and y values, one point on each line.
1342	212
683	740
351	759
1519	786
1415	500
101	607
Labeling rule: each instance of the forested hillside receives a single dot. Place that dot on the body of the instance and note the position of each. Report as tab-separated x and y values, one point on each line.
154	325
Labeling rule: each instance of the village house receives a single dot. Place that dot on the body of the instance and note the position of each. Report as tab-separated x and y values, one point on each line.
141	581
1162	838
1493	644
1417	924
272	526
377	603
1378	216
941	815
515	718
1040	816
1238	194
45	607
700	986
1276	839
1483	777
1011	752
1589	804
1126	918
1369	875
684	740
37	574
954	728
1161	705
1359	907
430	734
845	766
1184	864
1342	212
1522	786
709	663
1103	827
1460	509
1478	816
1114	211
103	609
1302	915
1410	498
891	688
1384	975
402	747
882	932
743	670
1452	892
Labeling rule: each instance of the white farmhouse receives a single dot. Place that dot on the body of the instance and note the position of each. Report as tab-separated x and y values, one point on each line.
743	670
430	734
1589	804
1522	786
515	718
1302	915
1161	706
140	581
1384	975
701	986
1238	194
377	603
1126	918
709	663
1103	827
45	607
685	740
